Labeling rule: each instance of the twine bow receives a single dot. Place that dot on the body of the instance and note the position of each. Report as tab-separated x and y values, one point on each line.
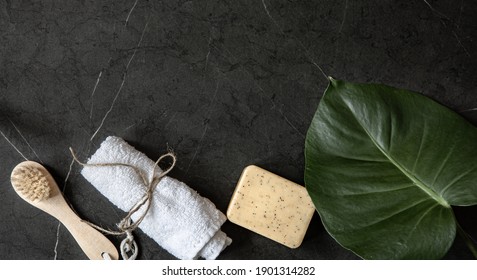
126	226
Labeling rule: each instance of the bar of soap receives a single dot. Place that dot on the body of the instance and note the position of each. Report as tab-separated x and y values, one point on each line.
272	206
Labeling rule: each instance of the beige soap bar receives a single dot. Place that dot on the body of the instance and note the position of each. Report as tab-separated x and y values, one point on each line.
271	206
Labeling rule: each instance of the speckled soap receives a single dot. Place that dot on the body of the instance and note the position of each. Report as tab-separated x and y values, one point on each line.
272	206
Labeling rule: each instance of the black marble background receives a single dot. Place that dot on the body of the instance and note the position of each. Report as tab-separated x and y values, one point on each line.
223	83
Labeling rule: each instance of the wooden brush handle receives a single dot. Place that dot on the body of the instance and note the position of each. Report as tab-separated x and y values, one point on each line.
93	243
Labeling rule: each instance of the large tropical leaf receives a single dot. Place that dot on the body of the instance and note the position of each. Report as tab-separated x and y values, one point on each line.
383	168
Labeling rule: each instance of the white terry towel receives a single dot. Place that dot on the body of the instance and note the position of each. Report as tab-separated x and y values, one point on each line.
181	221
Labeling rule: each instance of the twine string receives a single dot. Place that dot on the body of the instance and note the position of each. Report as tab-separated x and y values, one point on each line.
126	226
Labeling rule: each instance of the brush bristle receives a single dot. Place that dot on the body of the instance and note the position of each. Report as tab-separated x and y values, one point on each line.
31	183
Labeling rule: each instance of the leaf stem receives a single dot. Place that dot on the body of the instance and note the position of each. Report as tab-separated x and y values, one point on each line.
468	240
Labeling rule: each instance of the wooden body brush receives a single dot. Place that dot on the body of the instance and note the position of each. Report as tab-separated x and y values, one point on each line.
34	184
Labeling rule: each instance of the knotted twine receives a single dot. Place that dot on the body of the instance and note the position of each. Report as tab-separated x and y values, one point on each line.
126	226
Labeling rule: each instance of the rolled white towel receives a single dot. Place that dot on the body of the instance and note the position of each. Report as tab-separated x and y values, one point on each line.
181	221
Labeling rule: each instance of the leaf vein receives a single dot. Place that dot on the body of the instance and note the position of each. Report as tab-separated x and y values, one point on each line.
456	180
395	213
441	167
416	181
420	147
378	192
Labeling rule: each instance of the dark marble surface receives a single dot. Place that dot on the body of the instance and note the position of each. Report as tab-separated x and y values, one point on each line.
224	83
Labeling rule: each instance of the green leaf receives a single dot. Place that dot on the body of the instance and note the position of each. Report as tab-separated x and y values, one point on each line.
383	168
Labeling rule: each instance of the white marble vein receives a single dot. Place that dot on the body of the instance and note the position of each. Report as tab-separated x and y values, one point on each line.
11	144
